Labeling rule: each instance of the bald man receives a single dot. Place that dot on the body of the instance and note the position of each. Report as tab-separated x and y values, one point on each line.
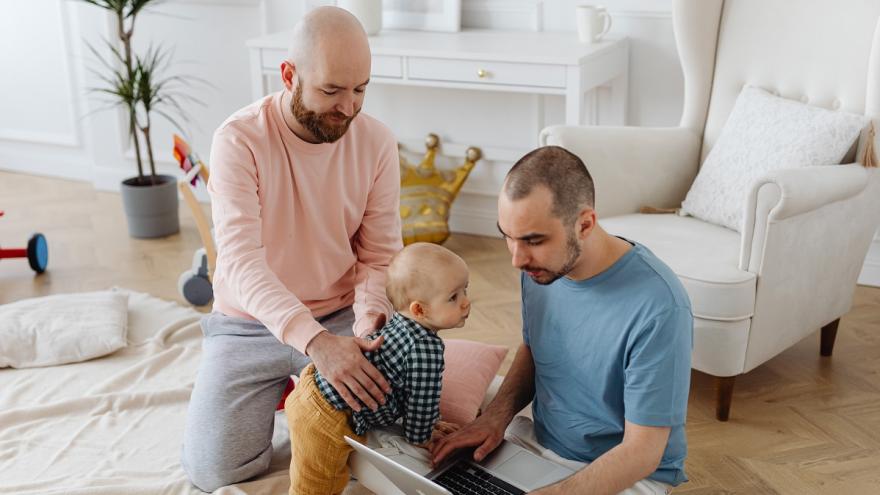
305	194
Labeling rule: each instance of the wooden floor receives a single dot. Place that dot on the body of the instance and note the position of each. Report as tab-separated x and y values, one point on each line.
800	424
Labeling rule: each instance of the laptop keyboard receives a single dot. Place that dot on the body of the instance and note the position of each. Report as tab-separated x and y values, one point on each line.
467	479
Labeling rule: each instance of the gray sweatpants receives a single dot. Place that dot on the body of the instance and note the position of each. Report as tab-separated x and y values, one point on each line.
242	374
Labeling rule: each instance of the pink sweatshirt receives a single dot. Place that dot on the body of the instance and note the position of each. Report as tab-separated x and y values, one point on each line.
302	229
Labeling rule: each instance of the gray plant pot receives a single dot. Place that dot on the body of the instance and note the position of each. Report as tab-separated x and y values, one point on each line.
151	209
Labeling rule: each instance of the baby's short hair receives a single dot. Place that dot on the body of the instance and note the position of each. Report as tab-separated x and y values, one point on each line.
412	269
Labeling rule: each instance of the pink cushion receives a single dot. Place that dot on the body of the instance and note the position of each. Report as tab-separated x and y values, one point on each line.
470	368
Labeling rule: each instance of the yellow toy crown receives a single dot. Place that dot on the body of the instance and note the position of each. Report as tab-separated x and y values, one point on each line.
426	194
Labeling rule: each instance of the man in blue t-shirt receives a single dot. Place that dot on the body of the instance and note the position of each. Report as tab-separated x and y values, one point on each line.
607	337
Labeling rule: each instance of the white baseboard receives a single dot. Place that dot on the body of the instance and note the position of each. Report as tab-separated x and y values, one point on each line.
70	167
108	179
475	213
871	269
870	275
473	221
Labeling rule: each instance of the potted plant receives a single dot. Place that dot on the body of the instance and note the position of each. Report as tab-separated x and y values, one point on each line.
134	83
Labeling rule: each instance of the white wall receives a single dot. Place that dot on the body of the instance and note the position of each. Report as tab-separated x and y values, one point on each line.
40	107
50	122
50	125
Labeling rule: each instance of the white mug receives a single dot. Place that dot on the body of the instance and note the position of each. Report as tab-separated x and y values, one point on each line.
369	12
593	22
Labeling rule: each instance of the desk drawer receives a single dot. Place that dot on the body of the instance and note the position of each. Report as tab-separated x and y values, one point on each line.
486	72
386	66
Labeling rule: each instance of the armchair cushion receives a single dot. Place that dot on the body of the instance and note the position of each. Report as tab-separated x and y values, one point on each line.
762	134
704	256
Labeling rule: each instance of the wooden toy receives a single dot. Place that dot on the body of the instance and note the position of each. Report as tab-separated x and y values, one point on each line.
36	252
195	283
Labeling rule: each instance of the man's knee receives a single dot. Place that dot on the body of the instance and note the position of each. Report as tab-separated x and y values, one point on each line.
210	472
207	481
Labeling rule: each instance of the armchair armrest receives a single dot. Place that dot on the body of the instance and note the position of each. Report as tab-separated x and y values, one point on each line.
783	194
632	166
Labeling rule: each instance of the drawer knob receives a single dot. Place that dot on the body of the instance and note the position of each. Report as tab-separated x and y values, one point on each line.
482	73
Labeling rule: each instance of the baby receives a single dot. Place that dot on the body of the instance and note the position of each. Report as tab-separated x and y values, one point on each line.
427	286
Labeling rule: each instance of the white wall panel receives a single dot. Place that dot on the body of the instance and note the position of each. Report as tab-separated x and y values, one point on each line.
36	100
283	14
871	271
40	90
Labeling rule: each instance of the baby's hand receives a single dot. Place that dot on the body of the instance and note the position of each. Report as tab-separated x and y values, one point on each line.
441	429
446	427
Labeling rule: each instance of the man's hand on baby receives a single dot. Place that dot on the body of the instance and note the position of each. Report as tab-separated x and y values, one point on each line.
377	321
341	361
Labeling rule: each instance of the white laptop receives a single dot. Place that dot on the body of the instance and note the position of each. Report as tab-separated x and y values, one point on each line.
510	469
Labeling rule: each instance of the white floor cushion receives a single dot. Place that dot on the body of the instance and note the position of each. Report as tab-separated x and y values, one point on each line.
61	329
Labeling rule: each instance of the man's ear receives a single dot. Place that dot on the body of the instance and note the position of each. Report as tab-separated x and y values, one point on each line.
288	74
586	222
417	309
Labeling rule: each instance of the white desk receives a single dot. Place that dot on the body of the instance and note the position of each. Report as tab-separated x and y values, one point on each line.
541	63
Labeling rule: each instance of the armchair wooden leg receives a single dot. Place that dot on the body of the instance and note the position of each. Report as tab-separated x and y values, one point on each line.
724	395
829	333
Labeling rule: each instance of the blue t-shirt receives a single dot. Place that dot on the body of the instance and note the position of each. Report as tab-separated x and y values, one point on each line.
614	346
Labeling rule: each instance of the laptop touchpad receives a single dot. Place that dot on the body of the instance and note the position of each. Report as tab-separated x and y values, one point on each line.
529	471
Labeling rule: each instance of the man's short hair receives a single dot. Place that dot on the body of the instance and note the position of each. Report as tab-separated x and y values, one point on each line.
560	171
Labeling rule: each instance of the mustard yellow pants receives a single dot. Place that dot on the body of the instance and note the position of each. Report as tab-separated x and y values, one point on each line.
318	452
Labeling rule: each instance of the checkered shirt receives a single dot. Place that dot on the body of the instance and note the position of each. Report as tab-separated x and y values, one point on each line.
411	359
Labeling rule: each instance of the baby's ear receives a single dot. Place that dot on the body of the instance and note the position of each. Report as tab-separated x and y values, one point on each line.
417	309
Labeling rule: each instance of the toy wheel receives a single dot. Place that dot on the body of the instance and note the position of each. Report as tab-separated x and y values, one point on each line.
197	290
38	253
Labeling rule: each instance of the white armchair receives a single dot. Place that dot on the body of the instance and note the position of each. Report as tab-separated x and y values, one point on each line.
794	267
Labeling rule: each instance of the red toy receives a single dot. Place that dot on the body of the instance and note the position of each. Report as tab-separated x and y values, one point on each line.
287	390
36	252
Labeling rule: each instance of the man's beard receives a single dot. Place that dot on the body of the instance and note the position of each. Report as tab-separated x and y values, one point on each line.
319	123
550	276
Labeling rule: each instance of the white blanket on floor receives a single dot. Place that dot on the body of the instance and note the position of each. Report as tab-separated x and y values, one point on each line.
114	425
